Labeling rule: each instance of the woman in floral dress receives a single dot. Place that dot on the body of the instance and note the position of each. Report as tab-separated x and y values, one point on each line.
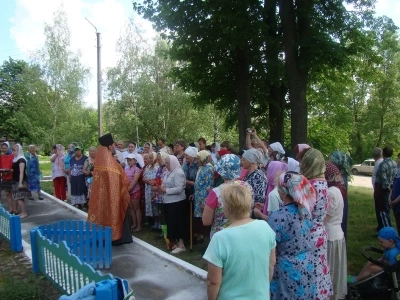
149	176
292	224
313	168
202	187
228	167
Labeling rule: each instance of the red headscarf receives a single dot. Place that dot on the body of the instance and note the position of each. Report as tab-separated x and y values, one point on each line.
334	178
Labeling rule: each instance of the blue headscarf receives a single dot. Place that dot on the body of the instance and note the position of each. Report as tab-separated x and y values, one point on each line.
389	233
228	166
9	149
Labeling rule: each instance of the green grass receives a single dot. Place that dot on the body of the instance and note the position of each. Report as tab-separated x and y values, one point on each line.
47	186
45	165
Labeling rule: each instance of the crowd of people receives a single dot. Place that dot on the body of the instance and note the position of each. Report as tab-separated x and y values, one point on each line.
286	215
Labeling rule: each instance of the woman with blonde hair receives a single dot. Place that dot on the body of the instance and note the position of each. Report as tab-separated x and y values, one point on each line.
149	176
228	248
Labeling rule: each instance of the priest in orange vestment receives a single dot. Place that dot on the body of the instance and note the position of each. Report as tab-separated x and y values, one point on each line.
109	198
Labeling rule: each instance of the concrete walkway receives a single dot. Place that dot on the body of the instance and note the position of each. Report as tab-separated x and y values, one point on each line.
152	273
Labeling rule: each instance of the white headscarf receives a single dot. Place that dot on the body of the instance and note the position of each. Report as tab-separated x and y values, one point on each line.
293	165
191	151
277	147
217	147
20	154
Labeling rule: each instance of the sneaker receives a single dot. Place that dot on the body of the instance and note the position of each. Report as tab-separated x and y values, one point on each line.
178	250
41	198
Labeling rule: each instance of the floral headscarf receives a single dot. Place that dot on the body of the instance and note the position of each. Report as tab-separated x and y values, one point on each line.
205	157
334	178
228	166
342	161
9	150
313	164
299	188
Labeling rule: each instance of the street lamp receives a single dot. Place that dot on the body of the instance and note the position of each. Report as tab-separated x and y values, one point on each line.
99	91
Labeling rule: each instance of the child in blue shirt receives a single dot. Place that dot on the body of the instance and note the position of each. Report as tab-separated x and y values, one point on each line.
390	242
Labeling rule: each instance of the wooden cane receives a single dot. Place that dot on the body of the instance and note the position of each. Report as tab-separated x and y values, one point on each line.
191	226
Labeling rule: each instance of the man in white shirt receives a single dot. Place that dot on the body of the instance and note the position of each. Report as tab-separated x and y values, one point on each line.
377	156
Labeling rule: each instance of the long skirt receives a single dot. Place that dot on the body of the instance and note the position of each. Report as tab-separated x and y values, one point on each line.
175	214
338	268
126	233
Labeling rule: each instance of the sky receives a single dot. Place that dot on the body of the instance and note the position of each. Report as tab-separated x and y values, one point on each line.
22	23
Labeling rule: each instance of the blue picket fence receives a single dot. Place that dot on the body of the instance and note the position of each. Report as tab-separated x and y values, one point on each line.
60	266
10	229
88	241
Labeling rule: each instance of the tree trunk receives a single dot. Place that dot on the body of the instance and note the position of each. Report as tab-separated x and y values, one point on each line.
243	94
277	89
295	28
277	113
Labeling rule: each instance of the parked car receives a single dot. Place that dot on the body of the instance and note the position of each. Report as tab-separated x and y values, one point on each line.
366	167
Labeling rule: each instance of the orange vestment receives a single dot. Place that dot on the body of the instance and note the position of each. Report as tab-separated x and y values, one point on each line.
109	198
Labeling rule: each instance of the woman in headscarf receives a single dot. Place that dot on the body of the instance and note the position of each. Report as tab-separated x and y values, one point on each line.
202	187
173	187
190	168
251	159
67	159
278	148
77	177
58	172
293	165
88	168
313	168
344	164
215	147
147	148
300	150
19	191
133	174
228	167
158	197
6	161
273	201
149	176
33	171
293	274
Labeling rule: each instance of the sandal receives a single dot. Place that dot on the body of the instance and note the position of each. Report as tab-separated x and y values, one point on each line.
22	216
137	229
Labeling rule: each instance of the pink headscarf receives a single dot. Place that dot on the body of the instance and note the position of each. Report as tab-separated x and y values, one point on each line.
173	163
300	189
301	147
273	168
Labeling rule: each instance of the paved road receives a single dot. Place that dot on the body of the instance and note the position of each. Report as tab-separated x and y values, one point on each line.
150	276
361	180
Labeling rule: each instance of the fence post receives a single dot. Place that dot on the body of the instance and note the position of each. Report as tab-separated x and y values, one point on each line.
35	260
15	234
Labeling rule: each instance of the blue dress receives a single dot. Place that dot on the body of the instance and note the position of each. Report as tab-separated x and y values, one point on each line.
293	272
202	187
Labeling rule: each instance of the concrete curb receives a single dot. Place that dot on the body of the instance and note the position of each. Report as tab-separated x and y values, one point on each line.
196	271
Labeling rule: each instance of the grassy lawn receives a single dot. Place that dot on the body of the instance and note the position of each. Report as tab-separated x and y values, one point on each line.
45	165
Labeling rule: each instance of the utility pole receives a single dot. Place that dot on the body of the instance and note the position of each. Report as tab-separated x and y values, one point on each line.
99	90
